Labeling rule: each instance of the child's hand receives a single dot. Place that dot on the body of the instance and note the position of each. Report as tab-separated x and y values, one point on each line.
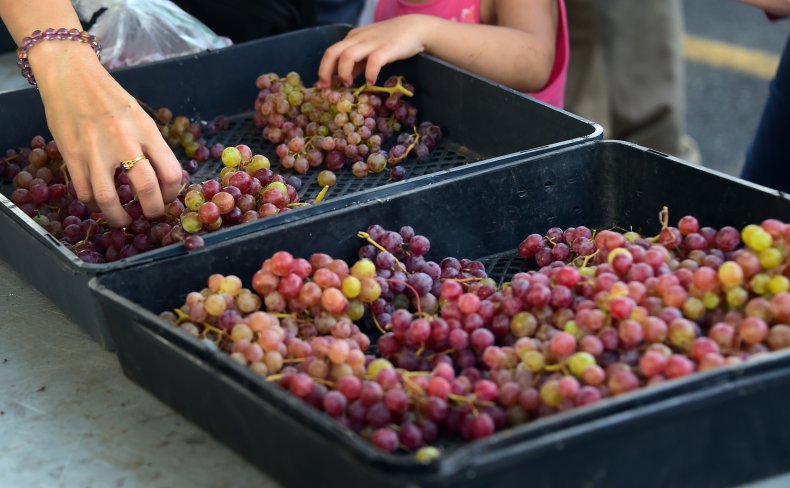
373	46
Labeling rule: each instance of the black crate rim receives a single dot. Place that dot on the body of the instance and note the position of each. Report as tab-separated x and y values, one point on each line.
70	259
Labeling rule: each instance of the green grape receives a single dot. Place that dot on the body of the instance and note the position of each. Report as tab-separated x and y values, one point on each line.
194	199
523	324
344	106
693	308
190	149
711	300
356	310
326	119
187	138
730	274
364	268
351	286
759	240
572	328
377	366
293	78
377	162
370	290
279	186
550	393
770	258
258	162
631	236
295	98
426	454
533	361
326	178
191	223
778	284
225	171
759	283
737	297
579	362
215	225
231	157
748	231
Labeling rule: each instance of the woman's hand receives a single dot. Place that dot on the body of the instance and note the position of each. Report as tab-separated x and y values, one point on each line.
373	46
96	125
780	8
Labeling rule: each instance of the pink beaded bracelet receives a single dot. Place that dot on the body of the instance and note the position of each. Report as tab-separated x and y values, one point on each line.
52	35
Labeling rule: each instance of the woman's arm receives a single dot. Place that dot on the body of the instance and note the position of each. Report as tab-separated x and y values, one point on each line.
518	51
94	121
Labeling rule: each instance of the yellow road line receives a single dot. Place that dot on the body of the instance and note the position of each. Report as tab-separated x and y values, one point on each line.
754	62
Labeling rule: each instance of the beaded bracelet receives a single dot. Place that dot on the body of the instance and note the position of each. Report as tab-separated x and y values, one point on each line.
52	35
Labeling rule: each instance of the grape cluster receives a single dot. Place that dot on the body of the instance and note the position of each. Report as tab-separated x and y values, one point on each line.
410	280
245	190
341	126
179	132
604	314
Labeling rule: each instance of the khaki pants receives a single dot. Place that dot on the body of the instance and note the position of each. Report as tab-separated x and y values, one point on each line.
626	70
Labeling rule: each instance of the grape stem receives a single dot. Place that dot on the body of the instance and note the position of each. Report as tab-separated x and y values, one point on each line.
411	384
463	280
181	315
586	259
293	360
213	329
275	377
322	194
65	170
87	236
470	401
378	326
408	149
556	367
323	382
419	308
663	217
385	89
366	236
406	372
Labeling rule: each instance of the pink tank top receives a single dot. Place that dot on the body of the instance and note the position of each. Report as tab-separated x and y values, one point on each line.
468	11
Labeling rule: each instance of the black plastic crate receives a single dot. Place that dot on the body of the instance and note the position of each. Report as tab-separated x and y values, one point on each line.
717	428
483	122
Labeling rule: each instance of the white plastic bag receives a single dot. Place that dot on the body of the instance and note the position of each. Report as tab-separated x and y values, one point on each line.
140	31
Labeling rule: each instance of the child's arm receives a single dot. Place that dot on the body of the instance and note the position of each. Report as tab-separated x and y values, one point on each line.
776	8
518	51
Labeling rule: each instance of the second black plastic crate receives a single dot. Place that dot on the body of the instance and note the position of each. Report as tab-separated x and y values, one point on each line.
483	123
717	428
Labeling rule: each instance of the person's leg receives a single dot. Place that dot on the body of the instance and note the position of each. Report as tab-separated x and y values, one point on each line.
768	157
586	87
642	43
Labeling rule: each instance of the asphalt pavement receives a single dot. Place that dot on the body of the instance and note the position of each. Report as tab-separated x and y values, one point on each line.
724	104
